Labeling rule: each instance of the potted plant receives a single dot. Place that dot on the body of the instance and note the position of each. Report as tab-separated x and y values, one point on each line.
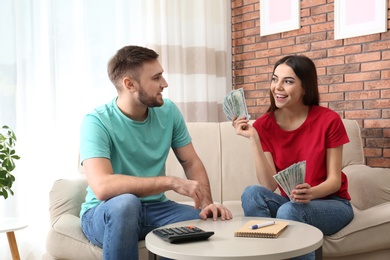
7	157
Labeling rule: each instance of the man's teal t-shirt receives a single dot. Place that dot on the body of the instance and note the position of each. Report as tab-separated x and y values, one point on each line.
134	148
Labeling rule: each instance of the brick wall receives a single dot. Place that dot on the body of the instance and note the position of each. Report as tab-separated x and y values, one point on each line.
354	73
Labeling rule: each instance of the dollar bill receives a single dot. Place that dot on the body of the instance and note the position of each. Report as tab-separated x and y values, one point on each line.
234	104
290	177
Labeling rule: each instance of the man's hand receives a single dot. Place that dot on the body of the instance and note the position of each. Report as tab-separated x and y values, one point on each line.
190	189
215	211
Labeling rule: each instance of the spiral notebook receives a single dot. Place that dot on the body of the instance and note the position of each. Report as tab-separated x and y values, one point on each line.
272	231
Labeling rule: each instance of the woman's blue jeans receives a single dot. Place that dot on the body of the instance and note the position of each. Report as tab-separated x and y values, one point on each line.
328	215
116	225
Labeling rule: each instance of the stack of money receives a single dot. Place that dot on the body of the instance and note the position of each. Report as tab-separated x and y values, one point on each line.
234	105
290	177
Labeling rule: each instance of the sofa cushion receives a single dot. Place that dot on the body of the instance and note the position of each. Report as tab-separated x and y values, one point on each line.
235	207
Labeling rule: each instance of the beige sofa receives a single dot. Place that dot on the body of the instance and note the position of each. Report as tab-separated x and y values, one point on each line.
230	166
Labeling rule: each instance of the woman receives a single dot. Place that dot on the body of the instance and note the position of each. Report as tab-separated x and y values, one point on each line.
294	129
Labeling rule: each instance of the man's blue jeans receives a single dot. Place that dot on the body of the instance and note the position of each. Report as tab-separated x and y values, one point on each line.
116	225
328	215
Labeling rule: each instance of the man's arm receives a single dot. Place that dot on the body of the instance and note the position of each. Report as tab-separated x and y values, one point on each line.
105	184
195	170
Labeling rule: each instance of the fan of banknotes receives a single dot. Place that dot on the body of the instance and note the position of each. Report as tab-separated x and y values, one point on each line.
234	105
290	177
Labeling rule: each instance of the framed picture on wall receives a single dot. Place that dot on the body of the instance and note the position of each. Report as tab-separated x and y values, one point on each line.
278	16
359	17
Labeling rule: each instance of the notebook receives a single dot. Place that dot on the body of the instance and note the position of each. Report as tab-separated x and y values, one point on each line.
272	231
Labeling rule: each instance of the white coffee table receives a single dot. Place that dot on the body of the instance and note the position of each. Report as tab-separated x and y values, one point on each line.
297	239
9	226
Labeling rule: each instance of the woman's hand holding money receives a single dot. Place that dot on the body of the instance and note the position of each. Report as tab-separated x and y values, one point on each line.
243	127
302	193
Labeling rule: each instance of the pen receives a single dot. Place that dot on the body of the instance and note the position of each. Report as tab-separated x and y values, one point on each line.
264	224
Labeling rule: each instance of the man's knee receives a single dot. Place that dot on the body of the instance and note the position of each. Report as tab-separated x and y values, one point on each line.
124	205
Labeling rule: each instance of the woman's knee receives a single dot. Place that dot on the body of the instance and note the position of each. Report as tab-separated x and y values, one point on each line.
255	194
290	211
251	192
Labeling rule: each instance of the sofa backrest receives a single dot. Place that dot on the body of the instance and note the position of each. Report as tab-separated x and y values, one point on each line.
238	165
229	161
206	141
220	150
353	151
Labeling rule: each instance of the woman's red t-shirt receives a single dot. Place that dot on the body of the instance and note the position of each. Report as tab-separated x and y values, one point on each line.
322	129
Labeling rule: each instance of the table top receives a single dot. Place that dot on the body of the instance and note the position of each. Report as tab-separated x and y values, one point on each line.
11	224
297	239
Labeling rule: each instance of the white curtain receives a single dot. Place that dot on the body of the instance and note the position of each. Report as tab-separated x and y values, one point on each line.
53	56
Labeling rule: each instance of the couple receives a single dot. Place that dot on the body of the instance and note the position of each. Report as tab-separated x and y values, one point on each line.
124	145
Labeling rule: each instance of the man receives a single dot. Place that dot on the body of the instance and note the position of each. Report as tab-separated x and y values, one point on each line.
124	146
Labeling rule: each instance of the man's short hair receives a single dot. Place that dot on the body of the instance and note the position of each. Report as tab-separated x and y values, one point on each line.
128	61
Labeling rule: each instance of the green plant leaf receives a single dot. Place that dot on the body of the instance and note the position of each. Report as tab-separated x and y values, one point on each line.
7	164
5	194
12	177
8	182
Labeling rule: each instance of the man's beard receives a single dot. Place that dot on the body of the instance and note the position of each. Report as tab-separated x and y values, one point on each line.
147	100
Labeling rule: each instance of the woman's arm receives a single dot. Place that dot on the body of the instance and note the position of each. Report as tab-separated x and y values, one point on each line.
305	193
265	167
334	158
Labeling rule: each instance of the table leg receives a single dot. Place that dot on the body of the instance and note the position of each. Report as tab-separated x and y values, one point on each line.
13	246
318	253
152	256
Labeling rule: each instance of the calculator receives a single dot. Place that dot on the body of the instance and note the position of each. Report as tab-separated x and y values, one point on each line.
182	234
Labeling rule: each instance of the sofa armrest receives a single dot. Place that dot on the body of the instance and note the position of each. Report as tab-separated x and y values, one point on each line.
372	223
66	197
368	186
66	240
